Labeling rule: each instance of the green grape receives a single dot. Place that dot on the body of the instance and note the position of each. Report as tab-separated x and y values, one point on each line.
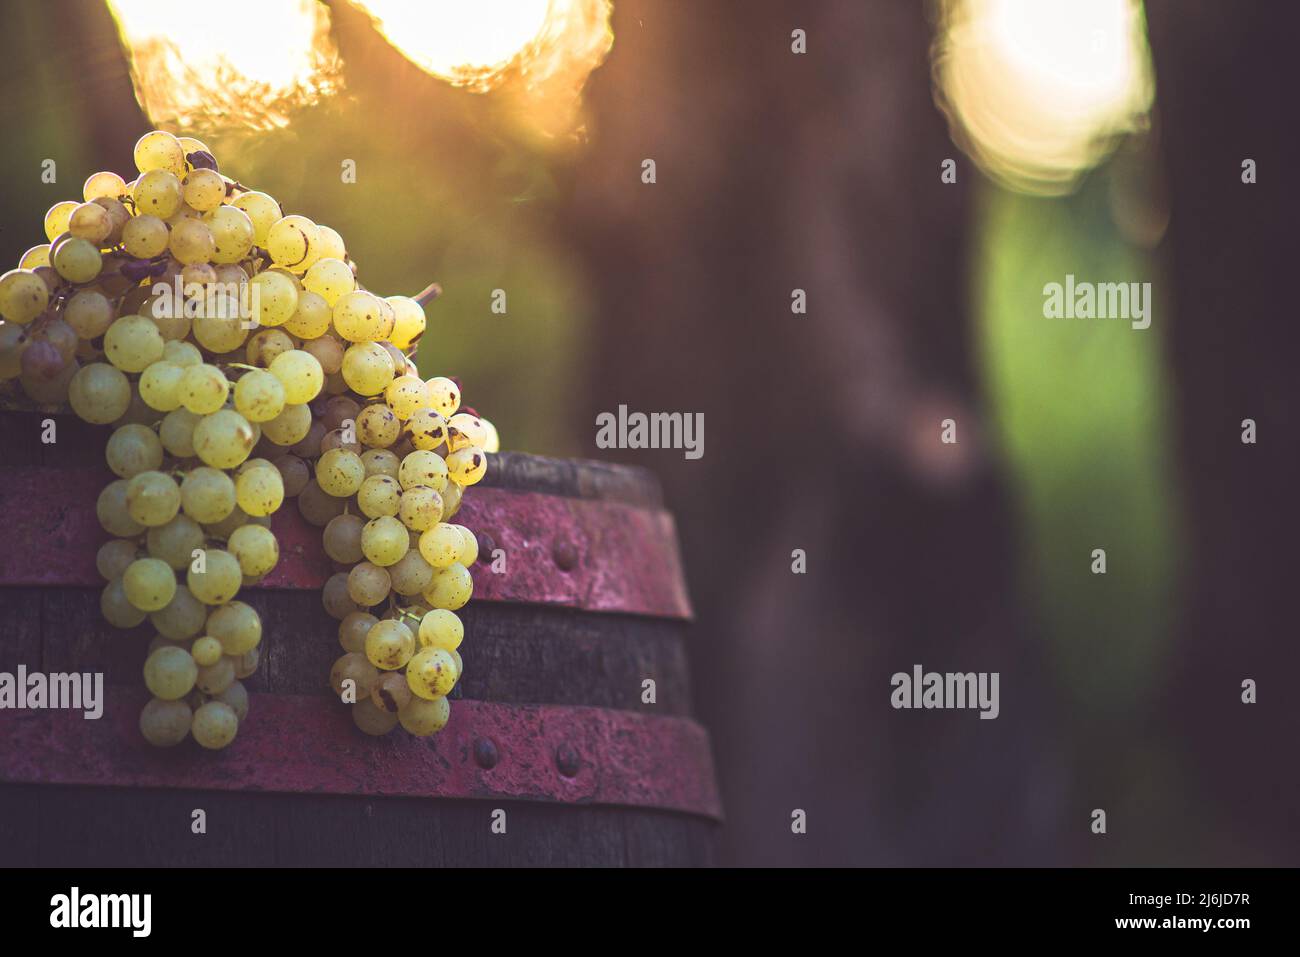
133	449
157	193
353	630
441	545
256	549
367	368
264	346
159	150
259	491
408	321
236	696
464	430
427	430
215	725
451	589
275	296
385	540
263	212
37	256
441	628
160	385
183	618
390	693
340	472
237	626
223	439
372	720
207	495
422	717
203	389
293	242
169	673
342	539
300	374
232	232
206	652
467	466
217	583
423	467
132	343
77	260
175	542
444	396
177	433
361	673
114	556
23	296
246	663
145	237
411	574
312	318
91	222
330	279
289	427
377	426
405	395
203	190
116	609
331	243
89	313
216	677
103	185
259	396
368	584
421	508
113	513
57	218
149	584
379	495
431	673
191	242
358	316
165	724
381	462
389	644
183	354
153	498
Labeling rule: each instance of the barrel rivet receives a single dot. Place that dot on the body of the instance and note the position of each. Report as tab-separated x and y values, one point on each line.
485	753
567	760
565	555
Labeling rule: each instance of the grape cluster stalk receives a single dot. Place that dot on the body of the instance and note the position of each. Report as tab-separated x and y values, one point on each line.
240	363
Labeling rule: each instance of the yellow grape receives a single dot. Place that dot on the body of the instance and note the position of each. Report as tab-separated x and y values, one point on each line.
408	321
441	545
158	193
259	396
77	260
259	491
103	185
405	395
379	495
329	278
149	584
159	150
232	232
289	427
377	426
132	343
431	673
275	297
367	368
422	717
420	508
389	644
145	236
153	498
170	673
263	212
255	548
191	242
293	242
312	318
57	219
23	296
133	449
237	626
451	588
204	190
467	466
206	651
223	439
441	628
300	374
444	396
385	540
215	725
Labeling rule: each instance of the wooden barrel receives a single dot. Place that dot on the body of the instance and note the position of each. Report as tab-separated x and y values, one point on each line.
550	724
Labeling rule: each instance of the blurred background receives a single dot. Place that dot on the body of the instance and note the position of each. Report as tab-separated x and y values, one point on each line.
920	170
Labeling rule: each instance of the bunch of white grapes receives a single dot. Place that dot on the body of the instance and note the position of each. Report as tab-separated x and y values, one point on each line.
272	364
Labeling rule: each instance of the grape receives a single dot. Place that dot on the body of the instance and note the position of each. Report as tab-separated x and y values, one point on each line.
311	320
300	374
368	584
340	472
464	430
203	389
353	630
116	609
236	696
444	396
13	343
317	506
389	644
342	539
215	725
217	677
423	467
219	326
103	185
23	296
426	429
390	693
153	498
467	466
384	540
421	508
169	673
159	150
293	242
329	278
331	243
204	190
259	396
411	574
290	426
114	556
358	316
133	449
145	237
469	554
265	345
157	193
441	545
451	498
57	218
275	298
175	541
183	618
334	596
223	439
354	667
232	232
367	368
405	395
422	717
259	491
377	426
371	719
191	242
132	343
246	663
92	223
177	433
338	410
381	462
237	626
409	321
294	473
165	724
441	628
112	511
431	673
255	548
89	313
379	495
451	588
218	582
36	257
263	212
160	385
206	651
149	584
